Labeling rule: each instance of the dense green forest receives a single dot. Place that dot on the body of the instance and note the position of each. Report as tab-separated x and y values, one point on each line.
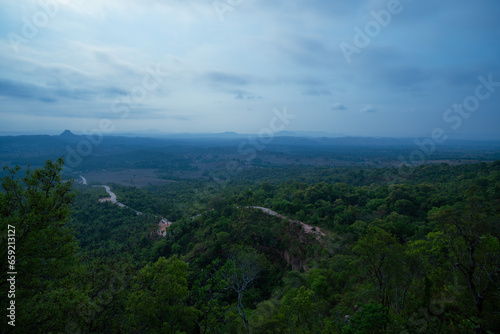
336	250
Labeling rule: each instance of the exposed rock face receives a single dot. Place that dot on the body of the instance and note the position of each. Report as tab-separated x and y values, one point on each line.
295	262
163	225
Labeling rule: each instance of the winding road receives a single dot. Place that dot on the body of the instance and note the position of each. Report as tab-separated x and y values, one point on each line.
114	201
112	195
307	228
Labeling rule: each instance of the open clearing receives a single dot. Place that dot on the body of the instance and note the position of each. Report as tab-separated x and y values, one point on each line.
128	177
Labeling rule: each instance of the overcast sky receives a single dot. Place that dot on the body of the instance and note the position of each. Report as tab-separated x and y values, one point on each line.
356	67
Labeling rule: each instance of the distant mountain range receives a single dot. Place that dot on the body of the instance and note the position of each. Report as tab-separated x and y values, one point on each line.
232	138
227	135
195	154
234	135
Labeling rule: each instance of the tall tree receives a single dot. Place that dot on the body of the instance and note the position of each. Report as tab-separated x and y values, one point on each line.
208	292
371	318
157	302
106	283
474	252
379	253
298	308
37	207
242	268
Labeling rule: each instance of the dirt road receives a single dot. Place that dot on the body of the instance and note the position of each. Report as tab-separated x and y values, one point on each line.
307	228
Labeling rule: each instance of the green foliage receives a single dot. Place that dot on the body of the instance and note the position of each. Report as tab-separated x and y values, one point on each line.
105	284
241	269
208	293
298	308
418	254
379	253
473	253
156	303
371	318
37	205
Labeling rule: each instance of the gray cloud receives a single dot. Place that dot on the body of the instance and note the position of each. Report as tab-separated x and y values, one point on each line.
305	50
21	90
405	76
331	8
339	106
429	56
145	113
369	109
314	87
316	92
240	94
226	79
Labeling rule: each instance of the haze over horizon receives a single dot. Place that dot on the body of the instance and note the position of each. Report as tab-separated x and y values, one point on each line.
381	68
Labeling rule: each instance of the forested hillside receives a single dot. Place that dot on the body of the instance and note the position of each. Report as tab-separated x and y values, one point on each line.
250	167
293	249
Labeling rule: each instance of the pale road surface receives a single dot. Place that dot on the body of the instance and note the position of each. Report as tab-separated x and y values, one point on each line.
111	194
113	200
307	228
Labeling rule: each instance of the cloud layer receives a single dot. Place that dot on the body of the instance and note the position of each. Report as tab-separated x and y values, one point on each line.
191	66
